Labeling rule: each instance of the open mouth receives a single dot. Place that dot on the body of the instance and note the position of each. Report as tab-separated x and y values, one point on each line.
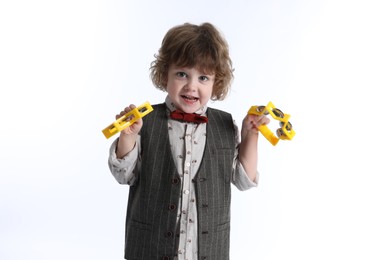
190	98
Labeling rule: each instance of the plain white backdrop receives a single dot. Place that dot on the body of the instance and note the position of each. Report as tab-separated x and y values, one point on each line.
67	68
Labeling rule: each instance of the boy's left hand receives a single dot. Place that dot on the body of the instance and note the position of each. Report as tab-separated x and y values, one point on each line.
251	123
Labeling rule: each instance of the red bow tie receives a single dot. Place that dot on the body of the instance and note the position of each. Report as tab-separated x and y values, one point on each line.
186	117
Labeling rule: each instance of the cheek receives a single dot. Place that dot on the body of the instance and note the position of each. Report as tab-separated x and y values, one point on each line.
207	93
172	88
210	90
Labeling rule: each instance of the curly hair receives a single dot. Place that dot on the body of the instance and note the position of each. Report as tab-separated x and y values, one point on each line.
201	47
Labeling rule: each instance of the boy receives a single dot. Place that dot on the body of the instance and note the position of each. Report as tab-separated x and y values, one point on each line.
181	159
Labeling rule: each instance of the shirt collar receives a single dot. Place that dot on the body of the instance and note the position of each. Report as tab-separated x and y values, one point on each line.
171	107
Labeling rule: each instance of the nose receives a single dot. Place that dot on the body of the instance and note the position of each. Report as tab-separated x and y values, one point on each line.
191	85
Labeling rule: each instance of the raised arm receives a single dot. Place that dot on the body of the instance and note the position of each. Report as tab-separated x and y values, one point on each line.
129	135
248	153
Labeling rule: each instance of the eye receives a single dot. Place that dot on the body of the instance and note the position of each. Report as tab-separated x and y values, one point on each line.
203	78
181	74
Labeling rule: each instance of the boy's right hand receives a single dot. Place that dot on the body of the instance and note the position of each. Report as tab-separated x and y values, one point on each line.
135	127
128	136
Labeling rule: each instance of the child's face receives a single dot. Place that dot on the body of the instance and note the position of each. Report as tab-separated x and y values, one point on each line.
188	88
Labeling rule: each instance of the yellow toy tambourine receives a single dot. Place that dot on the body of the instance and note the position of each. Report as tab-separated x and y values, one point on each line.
285	132
123	122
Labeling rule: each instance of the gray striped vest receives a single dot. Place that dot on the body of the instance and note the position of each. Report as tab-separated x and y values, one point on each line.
152	205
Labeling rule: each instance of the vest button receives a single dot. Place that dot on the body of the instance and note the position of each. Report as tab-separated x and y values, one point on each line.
168	234
172	207
175	180
165	258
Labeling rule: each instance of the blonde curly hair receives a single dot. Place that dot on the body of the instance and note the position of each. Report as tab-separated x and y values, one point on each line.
195	46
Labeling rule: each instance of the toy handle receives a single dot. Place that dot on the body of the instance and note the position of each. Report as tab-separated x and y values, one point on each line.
121	123
267	133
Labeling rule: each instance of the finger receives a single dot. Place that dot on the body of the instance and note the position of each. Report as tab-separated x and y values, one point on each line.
259	120
122	113
129	117
264	120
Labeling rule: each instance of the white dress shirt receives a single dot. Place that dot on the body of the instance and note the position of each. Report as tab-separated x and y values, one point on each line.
187	141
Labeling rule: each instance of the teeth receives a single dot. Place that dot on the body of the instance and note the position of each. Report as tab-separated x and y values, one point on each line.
190	98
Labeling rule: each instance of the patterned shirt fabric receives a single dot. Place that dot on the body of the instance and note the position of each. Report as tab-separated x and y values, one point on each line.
187	141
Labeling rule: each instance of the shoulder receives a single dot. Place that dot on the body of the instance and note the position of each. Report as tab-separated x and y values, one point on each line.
158	113
218	112
153	123
219	118
159	106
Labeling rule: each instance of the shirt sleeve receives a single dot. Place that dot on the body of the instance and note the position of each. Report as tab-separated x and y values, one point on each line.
124	170
240	178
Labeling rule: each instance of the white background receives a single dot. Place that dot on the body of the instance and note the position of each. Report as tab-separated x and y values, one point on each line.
67	67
